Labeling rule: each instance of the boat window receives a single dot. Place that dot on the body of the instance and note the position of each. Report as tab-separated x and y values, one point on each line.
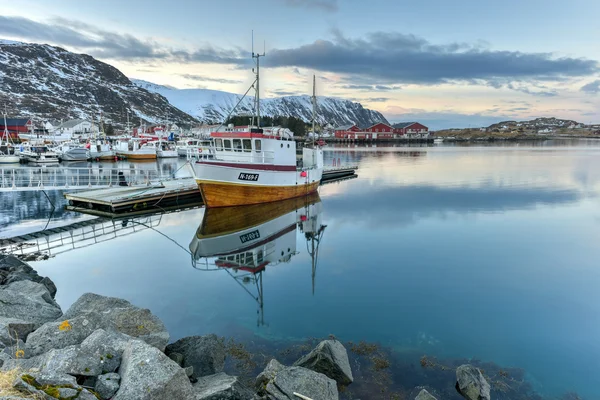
227	144
247	145
249	259
259	257
219	144
237	145
257	145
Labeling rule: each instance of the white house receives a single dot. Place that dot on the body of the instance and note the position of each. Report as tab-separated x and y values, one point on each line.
545	130
75	127
50	125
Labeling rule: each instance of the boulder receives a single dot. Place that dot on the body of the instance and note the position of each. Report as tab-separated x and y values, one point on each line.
471	384
107	346
221	387
48	386
86	395
424	395
122	316
71	360
30	301
12	329
330	358
107	385
268	374
24	364
13	270
148	374
205	353
60	334
306	382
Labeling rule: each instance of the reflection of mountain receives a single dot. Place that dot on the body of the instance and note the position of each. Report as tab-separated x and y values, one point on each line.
405	204
345	157
245	240
21	206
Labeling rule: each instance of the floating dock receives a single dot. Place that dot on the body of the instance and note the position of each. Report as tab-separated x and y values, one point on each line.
167	194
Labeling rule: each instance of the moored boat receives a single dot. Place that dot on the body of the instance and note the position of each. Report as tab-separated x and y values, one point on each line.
193	147
134	149
69	151
38	154
101	150
251	166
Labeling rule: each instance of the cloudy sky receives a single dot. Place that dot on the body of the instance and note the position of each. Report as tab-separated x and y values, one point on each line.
447	63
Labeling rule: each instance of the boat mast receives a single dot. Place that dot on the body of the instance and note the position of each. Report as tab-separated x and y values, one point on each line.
314	110
257	96
5	134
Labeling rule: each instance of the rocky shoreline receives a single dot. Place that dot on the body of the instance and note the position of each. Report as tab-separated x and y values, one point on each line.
107	348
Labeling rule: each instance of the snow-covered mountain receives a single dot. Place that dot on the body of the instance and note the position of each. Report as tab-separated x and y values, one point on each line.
42	81
213	106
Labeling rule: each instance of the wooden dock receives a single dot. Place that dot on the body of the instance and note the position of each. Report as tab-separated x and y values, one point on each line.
164	195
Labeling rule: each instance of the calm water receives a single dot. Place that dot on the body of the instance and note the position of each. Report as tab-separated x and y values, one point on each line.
488	252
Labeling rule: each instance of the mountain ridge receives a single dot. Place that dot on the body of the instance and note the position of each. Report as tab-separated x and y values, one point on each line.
212	106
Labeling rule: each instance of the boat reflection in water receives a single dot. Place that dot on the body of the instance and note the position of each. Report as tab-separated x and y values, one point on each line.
244	240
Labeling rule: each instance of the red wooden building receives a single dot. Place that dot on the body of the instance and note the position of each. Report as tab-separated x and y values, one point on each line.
381	131
14	126
411	129
346	131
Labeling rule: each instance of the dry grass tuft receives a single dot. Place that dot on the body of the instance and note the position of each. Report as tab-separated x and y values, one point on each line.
6	386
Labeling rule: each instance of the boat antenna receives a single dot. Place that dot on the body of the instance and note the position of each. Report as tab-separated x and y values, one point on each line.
257	89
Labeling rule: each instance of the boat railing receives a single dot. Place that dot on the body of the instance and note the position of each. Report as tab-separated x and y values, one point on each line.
242	157
54	178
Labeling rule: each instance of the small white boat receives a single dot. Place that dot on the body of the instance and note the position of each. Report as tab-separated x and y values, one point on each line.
163	149
438	140
193	147
38	154
101	150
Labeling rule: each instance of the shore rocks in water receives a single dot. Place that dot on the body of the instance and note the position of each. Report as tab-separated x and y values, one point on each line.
13	270
471	384
123	317
28	301
424	395
206	354
221	387
330	358
148	374
278	382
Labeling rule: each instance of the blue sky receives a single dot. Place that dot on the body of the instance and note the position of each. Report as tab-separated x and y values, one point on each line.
461	63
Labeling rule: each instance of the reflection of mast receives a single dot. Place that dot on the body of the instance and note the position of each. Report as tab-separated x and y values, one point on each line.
308	225
256	278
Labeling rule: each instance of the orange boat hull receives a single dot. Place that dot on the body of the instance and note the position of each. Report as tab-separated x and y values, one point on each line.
218	194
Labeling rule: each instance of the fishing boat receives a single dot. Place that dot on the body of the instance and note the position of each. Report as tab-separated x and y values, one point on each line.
7	150
135	149
244	240
101	150
193	147
163	149
37	153
252	166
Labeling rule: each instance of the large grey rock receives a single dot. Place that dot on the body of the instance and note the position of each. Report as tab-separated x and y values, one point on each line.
122	316
67	393
148	374
107	346
471	384
86	395
205	353
330	358
58	335
221	387
107	385
424	395
25	364
71	360
12	329
267	375
28	301
13	270
16	350
306	382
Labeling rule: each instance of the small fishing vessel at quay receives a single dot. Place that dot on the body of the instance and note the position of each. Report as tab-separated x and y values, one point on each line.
252	166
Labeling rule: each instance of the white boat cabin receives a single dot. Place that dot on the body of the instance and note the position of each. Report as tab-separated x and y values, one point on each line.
249	144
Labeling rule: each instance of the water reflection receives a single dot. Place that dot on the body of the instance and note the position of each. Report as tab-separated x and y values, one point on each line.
244	240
